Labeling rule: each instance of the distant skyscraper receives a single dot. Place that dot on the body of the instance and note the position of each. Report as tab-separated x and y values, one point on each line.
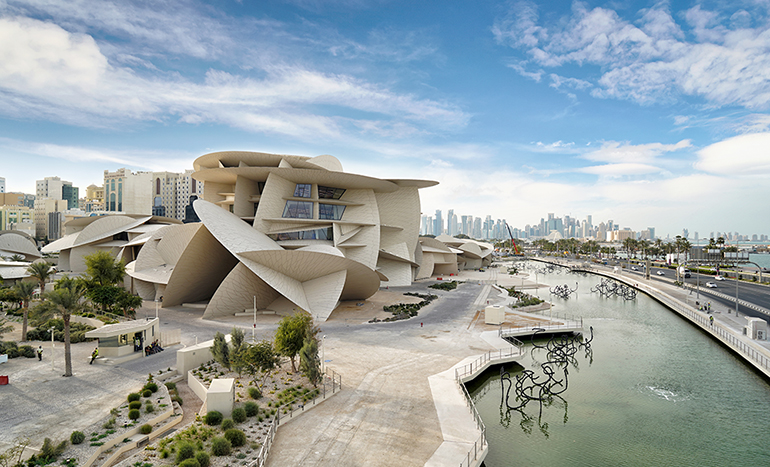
438	224
2	184
449	225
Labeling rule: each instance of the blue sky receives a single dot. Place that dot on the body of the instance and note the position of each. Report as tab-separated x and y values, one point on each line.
647	113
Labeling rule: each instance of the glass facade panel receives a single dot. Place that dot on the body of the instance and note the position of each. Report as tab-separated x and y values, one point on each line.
330	211
298	210
302	190
327	192
316	234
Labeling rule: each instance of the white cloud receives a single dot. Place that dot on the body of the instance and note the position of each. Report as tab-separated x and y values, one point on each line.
51	73
618	152
740	156
617	170
653	61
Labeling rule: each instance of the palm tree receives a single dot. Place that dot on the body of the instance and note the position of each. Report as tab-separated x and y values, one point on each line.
17	258
25	292
41	271
67	296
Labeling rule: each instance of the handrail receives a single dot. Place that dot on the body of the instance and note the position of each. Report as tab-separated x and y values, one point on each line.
267	441
469	369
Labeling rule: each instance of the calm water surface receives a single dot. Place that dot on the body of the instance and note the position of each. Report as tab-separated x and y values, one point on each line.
657	393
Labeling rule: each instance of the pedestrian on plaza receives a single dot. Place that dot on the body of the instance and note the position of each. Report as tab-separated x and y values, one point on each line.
709	306
711	319
94	354
40	353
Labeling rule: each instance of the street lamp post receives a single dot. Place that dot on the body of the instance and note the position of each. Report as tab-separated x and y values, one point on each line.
156	307
323	355
254	329
51	331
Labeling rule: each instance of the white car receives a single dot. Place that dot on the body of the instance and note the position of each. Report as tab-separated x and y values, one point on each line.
719	278
711	285
633	268
660	273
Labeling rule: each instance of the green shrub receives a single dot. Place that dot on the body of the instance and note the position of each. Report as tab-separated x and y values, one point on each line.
189	463
254	392
239	415
251	409
49	452
152	387
203	458
170	386
134	414
146	393
134	405
227	424
134	397
27	351
149	408
236	437
220	446
164	454
145	429
77	437
213	418
185	450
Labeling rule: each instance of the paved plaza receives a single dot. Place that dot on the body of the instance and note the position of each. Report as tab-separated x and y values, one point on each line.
386	413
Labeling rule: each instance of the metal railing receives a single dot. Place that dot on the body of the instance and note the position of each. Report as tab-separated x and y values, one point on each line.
470	369
508	332
335	380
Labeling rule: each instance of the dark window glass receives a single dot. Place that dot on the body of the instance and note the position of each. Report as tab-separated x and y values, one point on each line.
330	211
298	210
327	192
302	190
316	234
261	186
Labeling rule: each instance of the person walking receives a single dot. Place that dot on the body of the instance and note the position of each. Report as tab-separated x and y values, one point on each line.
40	353
94	354
711	319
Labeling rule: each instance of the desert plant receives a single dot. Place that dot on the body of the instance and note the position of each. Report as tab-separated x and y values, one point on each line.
145	429
213	418
227	424
220	446
254	392
134	405
146	393
77	437
236	437
134	414
250	408
149	408
134	396
153	386
49	452
170	386
185	450
203	458
239	415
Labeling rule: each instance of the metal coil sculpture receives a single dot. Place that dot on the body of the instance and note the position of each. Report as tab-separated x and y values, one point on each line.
563	291
545	389
611	288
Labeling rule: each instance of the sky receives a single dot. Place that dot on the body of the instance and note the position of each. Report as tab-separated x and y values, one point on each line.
652	114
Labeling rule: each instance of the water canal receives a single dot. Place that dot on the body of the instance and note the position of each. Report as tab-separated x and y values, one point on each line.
656	392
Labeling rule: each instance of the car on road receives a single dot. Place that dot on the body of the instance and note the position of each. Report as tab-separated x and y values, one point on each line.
711	285
719	278
633	268
660	273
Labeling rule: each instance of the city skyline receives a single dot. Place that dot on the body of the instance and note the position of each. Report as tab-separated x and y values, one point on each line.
652	113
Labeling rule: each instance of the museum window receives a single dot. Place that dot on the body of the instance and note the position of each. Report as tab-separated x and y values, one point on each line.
123	339
327	192
330	211
303	190
315	234
298	210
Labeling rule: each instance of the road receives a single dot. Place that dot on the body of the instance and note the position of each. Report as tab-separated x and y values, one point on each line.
752	293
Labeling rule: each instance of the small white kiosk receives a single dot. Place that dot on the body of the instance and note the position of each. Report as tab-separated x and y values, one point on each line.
127	338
